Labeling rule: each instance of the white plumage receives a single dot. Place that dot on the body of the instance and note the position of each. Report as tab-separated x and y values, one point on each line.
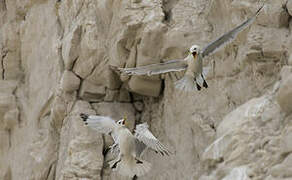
193	62
128	146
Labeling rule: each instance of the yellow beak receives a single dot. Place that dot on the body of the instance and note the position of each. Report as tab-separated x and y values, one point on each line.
125	118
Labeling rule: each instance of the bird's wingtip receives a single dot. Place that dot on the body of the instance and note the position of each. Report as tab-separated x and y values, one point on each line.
84	116
259	10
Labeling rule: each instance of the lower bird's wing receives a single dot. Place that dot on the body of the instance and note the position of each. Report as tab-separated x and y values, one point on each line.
143	135
153	69
226	38
101	124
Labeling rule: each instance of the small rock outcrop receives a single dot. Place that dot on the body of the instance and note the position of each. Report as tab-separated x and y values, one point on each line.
55	59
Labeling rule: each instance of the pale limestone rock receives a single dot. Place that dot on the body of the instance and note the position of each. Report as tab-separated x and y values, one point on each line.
286	141
113	81
215	152
286	71
40	39
11	119
124	95
7	87
284	95
59	112
290	60
251	110
69	82
274	14
91	92
139	106
81	147
144	86
11	66
238	173
84	66
239	134
111	95
70	47
273	178
289	7
7	101
284	169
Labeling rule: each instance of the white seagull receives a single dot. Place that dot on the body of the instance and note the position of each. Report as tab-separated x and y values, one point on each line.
193	62
130	147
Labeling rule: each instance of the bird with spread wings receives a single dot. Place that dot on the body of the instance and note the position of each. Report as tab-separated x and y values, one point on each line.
130	147
193	62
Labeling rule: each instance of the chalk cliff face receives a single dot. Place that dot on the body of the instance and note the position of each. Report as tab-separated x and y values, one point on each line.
54	58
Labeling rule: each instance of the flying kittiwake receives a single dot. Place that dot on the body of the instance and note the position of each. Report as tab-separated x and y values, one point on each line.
129	147
193	62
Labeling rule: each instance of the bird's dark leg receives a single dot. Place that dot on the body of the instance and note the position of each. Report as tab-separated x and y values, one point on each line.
115	164
204	83
135	178
198	86
138	161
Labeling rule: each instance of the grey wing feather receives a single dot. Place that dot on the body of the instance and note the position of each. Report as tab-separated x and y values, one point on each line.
143	135
228	37
153	69
140	148
102	124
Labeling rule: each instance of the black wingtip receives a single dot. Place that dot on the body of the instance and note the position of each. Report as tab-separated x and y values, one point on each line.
258	11
84	117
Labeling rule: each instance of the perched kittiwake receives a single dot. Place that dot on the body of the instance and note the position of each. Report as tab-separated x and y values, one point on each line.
129	147
193	62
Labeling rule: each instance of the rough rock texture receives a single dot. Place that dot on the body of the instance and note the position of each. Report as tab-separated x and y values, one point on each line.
54	64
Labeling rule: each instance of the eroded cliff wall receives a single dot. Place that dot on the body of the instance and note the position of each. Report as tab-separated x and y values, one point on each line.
54	64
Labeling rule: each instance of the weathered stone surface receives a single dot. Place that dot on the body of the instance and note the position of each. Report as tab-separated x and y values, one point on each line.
286	143
284	169
284	95
70	47
70	82
237	173
240	133
289	7
290	60
91	92
144	86
235	129
11	119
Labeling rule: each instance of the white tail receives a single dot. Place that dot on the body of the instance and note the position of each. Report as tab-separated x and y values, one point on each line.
131	167
186	83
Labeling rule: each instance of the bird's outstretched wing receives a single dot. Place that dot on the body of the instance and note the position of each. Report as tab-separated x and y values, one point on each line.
143	135
228	37
102	124
153	69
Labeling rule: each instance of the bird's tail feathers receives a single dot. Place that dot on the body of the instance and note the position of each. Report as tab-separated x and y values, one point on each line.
133	166
186	83
206	71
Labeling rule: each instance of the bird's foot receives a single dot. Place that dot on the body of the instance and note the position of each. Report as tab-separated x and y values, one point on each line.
205	84
198	87
84	116
114	165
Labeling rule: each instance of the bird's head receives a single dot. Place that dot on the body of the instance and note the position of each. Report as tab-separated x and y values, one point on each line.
194	50
122	122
